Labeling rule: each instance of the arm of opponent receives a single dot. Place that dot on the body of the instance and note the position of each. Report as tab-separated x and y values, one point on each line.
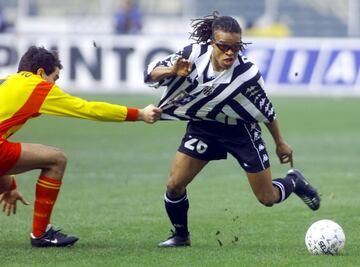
60	103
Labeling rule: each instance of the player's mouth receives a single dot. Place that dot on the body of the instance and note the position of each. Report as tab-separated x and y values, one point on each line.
228	61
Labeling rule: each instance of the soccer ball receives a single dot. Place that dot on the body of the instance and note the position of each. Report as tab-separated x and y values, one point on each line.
325	237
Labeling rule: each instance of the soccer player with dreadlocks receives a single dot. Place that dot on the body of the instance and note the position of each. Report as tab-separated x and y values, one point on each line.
221	94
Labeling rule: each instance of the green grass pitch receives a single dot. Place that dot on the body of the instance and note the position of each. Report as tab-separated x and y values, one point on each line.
112	195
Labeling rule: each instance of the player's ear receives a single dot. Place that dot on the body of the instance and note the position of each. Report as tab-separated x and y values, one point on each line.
40	71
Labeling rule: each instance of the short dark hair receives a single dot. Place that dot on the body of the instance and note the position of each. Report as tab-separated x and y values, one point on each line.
39	57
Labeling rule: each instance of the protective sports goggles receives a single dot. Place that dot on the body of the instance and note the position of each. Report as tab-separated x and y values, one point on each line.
235	47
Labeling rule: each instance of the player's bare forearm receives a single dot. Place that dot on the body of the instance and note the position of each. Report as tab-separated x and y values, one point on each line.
182	67
274	130
283	150
5	183
160	73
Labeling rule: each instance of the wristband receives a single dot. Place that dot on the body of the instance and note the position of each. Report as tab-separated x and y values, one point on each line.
132	114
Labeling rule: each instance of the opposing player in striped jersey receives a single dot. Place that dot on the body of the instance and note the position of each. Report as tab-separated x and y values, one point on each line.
222	95
27	94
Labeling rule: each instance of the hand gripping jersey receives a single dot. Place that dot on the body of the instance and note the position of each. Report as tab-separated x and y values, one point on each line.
232	96
25	95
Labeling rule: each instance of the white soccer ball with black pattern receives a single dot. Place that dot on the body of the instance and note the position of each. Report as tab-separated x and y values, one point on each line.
325	237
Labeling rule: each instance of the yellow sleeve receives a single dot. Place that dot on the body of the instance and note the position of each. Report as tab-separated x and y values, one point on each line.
60	103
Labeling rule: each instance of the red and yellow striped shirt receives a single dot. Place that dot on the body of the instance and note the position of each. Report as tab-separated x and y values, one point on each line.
25	95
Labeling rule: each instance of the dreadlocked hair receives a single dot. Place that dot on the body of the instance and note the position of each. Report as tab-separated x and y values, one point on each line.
204	28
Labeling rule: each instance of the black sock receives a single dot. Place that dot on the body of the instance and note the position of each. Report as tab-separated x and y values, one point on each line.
177	209
286	187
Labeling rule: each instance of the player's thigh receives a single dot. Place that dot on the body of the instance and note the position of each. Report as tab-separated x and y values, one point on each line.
261	182
184	169
38	156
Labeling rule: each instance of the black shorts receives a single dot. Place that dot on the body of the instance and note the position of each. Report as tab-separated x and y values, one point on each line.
213	140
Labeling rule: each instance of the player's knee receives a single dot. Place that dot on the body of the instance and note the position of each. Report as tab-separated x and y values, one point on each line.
266	199
61	159
175	189
58	163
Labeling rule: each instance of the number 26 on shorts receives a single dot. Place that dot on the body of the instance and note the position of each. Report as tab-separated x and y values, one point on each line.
197	144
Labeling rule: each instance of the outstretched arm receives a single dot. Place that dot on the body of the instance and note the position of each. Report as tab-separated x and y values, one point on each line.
60	103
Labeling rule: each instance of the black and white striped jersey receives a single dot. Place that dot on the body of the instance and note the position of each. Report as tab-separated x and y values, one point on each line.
231	96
